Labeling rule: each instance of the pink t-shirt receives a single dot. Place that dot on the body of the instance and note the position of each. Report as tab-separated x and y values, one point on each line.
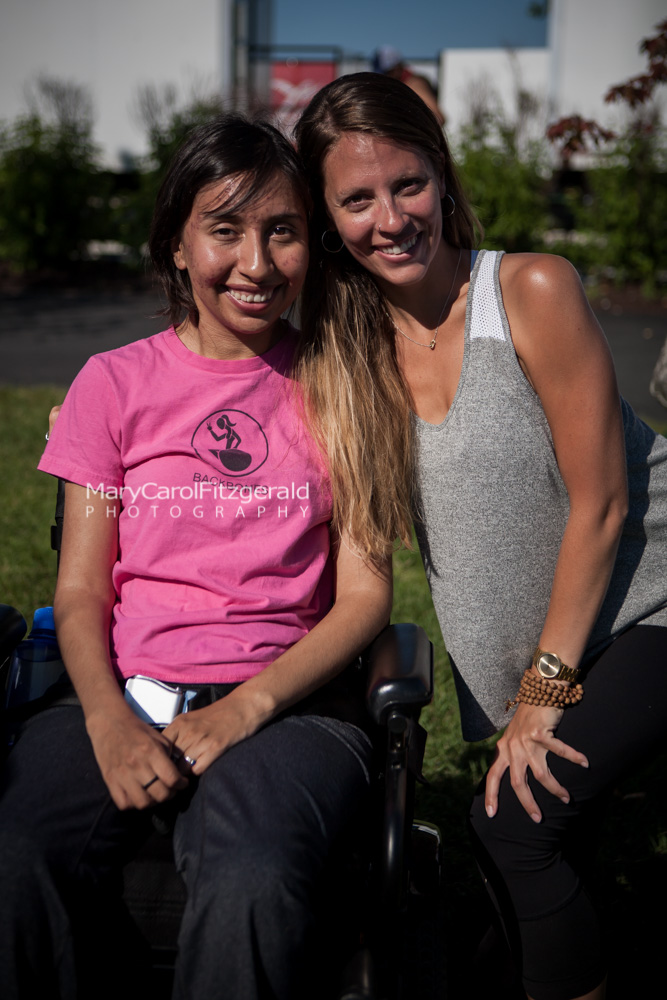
224	527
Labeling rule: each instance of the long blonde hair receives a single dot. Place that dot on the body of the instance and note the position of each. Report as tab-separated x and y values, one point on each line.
358	402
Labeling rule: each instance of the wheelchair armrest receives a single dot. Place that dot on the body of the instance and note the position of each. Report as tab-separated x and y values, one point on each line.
399	663
59	517
12	629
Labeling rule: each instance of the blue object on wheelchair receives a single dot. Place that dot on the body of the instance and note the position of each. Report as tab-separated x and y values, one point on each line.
36	664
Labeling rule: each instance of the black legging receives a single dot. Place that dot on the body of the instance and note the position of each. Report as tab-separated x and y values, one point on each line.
533	870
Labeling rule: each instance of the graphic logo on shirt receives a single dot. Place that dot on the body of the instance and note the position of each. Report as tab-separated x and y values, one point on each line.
234	439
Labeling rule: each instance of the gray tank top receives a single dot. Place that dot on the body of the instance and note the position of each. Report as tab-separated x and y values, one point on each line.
493	512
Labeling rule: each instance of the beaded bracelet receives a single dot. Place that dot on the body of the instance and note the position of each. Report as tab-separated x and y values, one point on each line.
545	693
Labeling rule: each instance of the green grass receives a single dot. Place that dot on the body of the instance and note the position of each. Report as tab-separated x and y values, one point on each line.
633	844
27	498
631	873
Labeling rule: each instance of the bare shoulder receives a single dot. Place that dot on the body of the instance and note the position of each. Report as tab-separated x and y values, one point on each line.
536	280
553	326
544	297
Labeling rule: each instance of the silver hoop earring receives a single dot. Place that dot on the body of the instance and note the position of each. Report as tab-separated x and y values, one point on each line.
450	214
329	232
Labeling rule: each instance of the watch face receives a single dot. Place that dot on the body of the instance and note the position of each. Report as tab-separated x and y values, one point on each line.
549	665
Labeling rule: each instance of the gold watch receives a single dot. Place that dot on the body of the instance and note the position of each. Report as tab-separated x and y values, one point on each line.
551	667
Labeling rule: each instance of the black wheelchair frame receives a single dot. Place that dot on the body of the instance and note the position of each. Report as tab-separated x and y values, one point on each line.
396	869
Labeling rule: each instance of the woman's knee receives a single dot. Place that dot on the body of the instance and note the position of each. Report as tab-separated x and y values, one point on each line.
494	837
31	893
523	862
21	859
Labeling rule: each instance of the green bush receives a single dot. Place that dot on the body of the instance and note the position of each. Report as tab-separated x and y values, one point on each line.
55	198
166	125
508	195
51	191
627	205
621	214
505	171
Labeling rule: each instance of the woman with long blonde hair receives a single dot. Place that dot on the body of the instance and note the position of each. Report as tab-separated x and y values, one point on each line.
476	391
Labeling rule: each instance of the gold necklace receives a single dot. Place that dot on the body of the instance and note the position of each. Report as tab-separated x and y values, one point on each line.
431	345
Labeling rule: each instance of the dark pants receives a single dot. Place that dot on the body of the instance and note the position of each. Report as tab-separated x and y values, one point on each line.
534	871
251	842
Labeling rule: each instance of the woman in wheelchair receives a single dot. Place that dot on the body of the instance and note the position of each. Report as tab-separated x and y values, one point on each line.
198	553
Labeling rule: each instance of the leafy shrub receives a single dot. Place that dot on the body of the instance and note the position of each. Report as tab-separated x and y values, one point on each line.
504	168
627	203
50	188
623	210
166	124
508	194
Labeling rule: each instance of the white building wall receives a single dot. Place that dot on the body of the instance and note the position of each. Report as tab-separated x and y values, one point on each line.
595	44
113	47
491	76
591	45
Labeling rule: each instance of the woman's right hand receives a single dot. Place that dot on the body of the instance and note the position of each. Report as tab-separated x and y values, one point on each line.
130	754
135	760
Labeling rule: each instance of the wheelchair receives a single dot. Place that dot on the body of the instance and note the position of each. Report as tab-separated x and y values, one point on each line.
386	881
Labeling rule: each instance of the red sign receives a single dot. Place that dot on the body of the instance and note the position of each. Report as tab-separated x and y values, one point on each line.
294	82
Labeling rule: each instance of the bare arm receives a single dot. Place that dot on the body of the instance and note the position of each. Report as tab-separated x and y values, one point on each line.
361	609
53	415
565	357
129	752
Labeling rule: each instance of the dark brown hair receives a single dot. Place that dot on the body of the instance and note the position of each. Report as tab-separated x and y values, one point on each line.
229	144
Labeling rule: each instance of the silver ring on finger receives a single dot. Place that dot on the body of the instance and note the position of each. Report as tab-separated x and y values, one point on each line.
190	760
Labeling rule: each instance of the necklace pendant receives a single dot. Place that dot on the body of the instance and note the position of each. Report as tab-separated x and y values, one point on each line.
432	344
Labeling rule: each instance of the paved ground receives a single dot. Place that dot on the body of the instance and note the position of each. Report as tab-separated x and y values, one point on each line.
46	337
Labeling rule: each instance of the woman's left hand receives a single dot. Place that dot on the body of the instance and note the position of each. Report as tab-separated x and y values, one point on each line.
205	733
524	745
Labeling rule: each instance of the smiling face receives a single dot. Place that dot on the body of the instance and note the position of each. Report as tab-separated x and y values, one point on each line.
385	202
246	266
